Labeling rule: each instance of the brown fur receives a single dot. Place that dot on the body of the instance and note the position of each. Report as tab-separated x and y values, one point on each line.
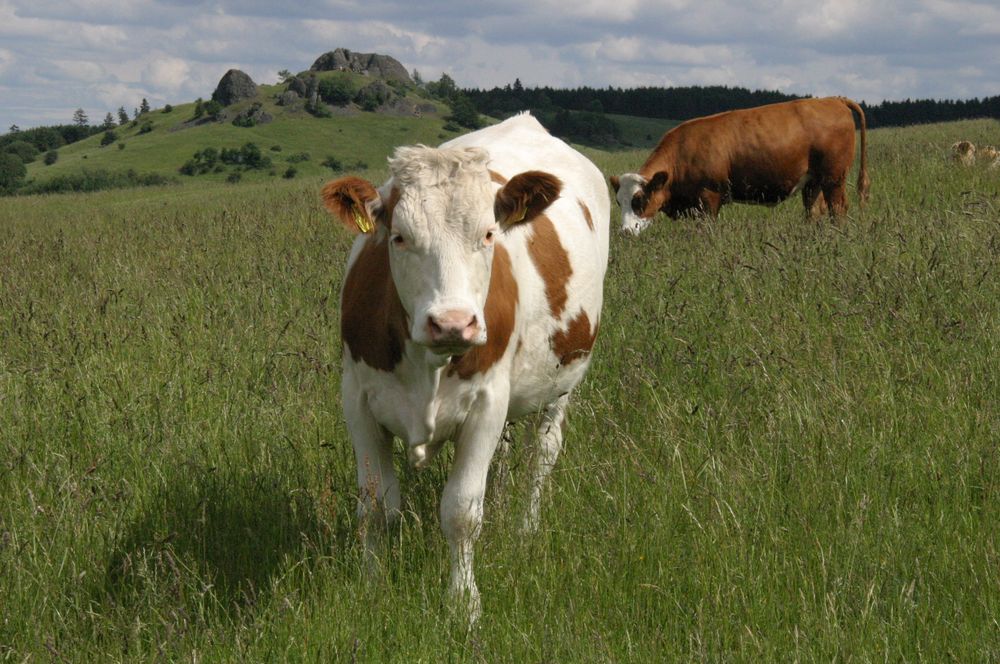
525	197
576	340
551	261
372	319
756	155
500	311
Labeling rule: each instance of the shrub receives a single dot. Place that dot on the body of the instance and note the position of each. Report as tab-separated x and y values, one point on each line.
168	108
234	177
12	172
276	148
121	146
213	109
333	163
24	150
108	138
290	172
299	157
96	180
336	90
51	157
146	127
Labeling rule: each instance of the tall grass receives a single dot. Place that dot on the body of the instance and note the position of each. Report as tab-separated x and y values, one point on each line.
786	448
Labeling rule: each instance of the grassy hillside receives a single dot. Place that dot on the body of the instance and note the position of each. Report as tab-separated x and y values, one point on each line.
357	136
786	448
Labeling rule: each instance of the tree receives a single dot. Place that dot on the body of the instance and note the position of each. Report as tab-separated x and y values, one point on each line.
109	122
144	106
51	157
135	113
464	113
14	129
12	172
108	138
122	115
80	118
284	75
418	80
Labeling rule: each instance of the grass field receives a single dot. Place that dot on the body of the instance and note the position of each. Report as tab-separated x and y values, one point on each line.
786	448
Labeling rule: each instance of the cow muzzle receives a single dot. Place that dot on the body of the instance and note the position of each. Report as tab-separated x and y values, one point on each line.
454	331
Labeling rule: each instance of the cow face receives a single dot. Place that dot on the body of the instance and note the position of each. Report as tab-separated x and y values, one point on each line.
640	199
440	219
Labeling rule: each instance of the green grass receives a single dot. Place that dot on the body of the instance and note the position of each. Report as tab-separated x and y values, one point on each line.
786	448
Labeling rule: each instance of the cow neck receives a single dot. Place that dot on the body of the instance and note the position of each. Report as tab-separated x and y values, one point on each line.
373	322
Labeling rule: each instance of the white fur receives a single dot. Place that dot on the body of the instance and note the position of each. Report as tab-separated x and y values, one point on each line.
628	185
445	207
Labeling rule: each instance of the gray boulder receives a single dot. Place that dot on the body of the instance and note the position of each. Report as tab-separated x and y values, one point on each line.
371	64
234	86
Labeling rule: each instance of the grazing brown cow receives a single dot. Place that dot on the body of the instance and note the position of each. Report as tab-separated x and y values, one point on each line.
988	153
964	153
757	155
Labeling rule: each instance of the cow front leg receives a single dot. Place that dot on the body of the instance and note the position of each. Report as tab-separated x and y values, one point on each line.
548	440
462	498
378	486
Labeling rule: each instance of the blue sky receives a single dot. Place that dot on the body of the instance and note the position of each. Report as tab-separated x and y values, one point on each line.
58	55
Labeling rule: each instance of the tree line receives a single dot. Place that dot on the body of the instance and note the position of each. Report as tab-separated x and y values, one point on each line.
684	103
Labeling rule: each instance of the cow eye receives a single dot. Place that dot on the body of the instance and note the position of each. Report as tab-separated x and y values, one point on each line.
398	241
488	238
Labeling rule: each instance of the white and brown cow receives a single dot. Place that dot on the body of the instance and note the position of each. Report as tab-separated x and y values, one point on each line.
472	298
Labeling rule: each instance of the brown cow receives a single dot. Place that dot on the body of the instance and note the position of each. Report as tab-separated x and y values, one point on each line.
757	155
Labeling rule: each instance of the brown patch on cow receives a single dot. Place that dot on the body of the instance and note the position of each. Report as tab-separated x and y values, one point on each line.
576	341
551	261
525	197
372	319
586	214
496	177
500	312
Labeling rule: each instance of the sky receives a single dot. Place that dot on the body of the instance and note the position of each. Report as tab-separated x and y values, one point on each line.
60	55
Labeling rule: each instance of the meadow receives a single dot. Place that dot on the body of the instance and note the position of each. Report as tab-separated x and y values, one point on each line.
786	448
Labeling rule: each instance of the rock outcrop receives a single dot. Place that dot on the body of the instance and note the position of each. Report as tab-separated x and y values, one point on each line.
234	86
371	64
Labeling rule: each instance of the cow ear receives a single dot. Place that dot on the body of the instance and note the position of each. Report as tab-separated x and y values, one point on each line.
658	181
354	202
525	196
615	183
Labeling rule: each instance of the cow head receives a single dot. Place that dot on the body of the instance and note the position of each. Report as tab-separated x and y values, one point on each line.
440	217
640	199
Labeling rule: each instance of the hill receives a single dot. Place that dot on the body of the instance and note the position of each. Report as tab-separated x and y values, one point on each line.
161	141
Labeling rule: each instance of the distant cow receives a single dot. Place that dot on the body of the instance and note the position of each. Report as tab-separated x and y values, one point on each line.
988	153
758	155
472	297
964	153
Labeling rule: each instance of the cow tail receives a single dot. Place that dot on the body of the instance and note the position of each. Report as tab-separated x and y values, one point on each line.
864	184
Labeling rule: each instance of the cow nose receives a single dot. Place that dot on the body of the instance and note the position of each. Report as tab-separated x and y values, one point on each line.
455	326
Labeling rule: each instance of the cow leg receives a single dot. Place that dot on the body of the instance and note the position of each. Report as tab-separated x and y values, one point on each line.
710	202
548	443
835	194
378	487
462	498
813	200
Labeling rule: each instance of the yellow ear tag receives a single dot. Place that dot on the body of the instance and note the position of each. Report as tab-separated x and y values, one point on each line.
521	218
361	221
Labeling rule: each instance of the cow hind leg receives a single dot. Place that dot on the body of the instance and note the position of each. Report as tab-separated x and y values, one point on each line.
835	194
548	439
813	200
